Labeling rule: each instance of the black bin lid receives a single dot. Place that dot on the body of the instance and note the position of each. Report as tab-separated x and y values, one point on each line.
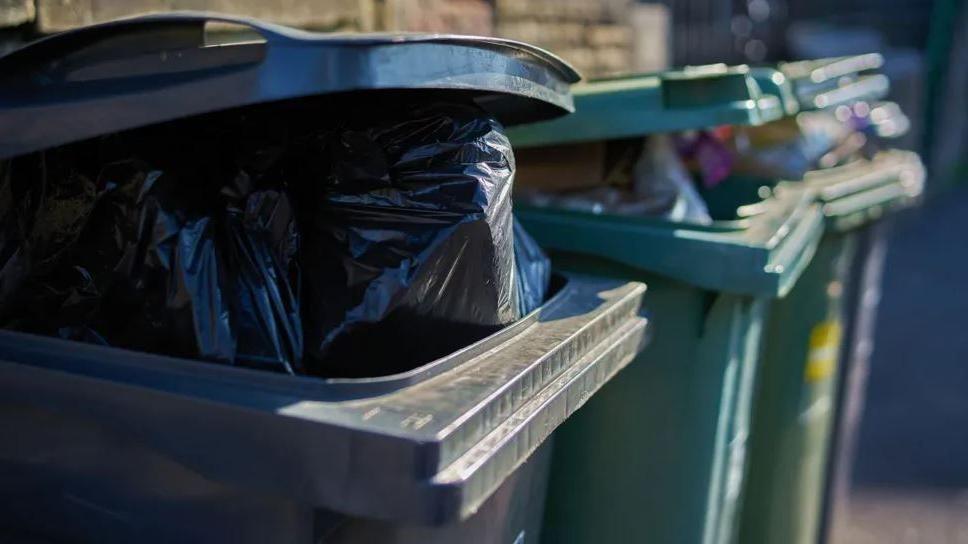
135	72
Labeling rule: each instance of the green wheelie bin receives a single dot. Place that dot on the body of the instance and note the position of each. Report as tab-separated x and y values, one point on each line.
818	332
659	454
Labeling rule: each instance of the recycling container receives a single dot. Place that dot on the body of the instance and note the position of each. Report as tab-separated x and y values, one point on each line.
824	321
105	444
659	454
818	338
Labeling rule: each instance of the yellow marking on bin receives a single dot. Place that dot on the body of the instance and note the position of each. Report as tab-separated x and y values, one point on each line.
824	350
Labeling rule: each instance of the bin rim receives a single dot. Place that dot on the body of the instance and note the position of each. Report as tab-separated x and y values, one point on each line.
858	192
694	97
429	452
762	254
830	82
863	191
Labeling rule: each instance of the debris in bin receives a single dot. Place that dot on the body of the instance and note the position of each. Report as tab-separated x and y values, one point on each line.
706	149
391	244
656	185
661	177
789	148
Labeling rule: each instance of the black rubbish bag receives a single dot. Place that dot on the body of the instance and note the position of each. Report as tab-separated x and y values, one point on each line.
136	260
533	269
409	252
386	241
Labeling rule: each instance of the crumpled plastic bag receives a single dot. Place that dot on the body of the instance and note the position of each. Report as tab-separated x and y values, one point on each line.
138	262
533	269
409	254
354	251
662	179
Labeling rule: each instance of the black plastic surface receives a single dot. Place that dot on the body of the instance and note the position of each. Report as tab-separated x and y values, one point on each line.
124	74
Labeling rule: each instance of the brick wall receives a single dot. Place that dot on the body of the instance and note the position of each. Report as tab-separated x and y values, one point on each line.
16	12
472	17
45	16
595	35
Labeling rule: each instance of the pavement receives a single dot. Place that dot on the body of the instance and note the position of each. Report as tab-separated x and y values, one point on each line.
910	476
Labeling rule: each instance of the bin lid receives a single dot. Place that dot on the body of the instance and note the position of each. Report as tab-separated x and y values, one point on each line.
825	83
887	120
426	446
776	83
762	253
134	72
621	107
864	190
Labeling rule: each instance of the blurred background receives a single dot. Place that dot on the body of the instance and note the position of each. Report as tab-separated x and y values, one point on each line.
910	474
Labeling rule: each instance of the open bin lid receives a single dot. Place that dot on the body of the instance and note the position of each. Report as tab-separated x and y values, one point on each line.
761	253
692	98
424	446
134	72
826	83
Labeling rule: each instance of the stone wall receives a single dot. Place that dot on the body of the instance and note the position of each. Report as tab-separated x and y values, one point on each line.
473	17
595	35
54	15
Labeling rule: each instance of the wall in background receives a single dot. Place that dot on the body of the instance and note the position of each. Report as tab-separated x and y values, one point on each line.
599	37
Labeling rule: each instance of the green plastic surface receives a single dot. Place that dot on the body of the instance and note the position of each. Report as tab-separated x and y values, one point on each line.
851	195
831	68
795	402
663	102
861	192
658	454
826	83
776	83
761	254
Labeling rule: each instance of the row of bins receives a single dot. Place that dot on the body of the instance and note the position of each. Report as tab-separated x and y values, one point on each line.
468	393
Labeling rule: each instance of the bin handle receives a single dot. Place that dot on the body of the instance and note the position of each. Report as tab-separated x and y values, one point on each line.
153	33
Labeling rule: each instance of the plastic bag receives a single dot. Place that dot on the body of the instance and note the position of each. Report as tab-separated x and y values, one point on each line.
662	179
146	266
385	243
533	270
410	254
39	219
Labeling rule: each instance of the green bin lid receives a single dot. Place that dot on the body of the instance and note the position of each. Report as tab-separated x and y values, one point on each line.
826	83
692	98
850	196
863	191
776	83
888	121
762	253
